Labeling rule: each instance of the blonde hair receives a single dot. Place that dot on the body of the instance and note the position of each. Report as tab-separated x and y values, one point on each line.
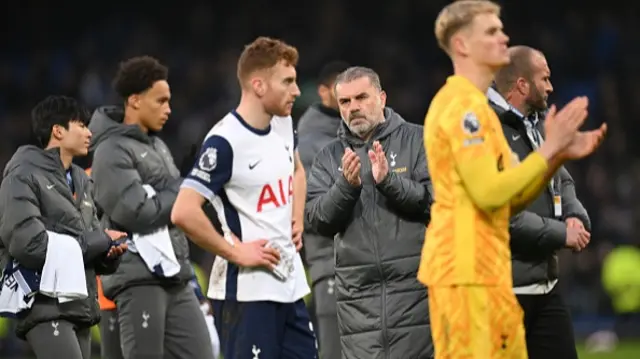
458	15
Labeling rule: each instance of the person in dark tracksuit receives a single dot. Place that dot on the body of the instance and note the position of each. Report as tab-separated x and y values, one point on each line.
317	127
371	189
158	316
43	191
555	220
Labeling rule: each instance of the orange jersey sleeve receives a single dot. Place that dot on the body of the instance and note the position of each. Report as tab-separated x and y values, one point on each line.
467	241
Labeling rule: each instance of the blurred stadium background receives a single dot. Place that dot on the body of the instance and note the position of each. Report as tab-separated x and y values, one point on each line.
73	48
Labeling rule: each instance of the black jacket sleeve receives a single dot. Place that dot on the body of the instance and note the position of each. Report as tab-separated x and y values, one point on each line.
330	201
530	231
102	264
24	232
106	266
22	229
410	196
571	206
119	192
96	244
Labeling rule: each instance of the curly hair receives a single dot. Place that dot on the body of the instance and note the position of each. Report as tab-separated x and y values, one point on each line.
56	110
264	53
138	74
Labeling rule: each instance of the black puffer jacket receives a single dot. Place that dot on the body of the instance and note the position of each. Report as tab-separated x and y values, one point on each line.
35	198
379	229
536	233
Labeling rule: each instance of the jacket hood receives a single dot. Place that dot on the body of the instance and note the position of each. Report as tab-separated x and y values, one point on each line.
320	120
107	121
392	120
33	156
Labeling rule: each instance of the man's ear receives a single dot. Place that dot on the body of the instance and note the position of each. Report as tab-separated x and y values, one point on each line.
57	132
134	101
383	99
324	92
522	86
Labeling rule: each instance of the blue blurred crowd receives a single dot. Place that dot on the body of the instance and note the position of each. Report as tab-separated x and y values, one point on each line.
592	50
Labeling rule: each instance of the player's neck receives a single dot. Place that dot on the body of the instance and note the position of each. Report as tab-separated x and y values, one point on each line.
65	156
253	113
480	76
131	119
519	105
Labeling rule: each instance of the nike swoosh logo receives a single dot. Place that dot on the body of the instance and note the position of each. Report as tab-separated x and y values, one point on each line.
253	165
515	137
143	155
340	169
50	186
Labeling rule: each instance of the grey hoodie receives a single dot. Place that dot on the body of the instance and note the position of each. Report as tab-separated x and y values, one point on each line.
318	127
125	158
35	198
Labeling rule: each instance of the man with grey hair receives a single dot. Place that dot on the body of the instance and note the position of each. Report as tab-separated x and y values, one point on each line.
371	191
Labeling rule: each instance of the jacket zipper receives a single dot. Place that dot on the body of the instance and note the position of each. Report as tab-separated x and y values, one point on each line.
75	201
383	282
549	190
95	308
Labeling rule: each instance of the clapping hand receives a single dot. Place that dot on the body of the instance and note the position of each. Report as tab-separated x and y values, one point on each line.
379	163
562	129
351	167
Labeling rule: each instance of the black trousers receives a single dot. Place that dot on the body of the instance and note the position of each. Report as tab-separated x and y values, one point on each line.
548	326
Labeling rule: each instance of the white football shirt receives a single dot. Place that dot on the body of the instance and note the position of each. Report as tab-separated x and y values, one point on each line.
247	174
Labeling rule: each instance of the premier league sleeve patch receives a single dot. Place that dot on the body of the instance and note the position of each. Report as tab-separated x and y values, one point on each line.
470	124
208	160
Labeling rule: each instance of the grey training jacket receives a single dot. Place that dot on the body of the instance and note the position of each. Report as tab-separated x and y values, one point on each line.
125	159
35	198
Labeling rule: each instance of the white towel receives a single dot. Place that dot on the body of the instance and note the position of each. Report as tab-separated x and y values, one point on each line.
156	249
18	289
213	333
63	274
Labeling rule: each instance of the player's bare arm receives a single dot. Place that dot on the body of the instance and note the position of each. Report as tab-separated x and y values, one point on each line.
299	200
189	216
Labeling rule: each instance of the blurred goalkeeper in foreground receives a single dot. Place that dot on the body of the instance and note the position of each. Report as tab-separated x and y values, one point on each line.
478	184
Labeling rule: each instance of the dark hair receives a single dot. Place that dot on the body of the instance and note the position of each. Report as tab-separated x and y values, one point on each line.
520	65
137	75
264	53
330	71
56	110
